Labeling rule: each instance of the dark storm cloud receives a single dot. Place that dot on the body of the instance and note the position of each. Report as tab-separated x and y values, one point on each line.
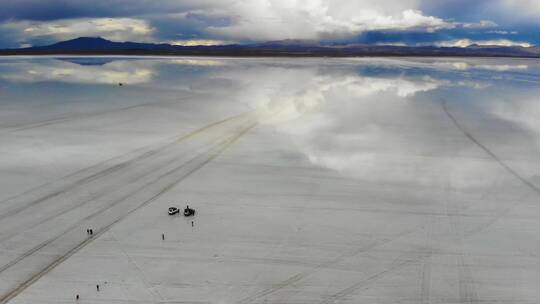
42	10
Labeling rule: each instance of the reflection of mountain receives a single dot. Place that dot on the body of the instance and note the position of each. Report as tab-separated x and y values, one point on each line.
89	61
86	45
98	72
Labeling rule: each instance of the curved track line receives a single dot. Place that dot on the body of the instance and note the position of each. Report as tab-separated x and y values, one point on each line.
468	295
494	156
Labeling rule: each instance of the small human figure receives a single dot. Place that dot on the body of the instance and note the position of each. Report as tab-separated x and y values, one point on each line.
163	236
87	231
188	211
192	224
91	232
77	297
97	287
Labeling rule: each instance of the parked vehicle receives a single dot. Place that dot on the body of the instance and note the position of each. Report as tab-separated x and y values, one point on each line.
173	210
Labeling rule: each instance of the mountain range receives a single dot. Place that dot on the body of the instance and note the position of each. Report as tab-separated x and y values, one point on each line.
293	48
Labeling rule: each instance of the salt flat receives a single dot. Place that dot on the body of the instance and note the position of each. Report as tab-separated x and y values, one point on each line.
314	180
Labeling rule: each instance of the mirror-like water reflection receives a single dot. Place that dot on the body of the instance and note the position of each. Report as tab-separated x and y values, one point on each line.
356	170
381	119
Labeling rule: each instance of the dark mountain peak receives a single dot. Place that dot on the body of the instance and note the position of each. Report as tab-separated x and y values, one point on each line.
88	43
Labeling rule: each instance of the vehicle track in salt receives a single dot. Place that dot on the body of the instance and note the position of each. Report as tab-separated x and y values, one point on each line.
488	151
177	174
70	228
101	172
112	187
467	291
302	275
7	129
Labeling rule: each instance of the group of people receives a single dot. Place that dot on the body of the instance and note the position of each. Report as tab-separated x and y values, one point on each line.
187	212
77	297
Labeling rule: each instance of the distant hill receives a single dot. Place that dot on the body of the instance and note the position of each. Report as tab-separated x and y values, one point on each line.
295	48
99	44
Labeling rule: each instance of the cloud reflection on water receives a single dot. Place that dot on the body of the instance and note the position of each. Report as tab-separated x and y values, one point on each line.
387	125
377	120
61	71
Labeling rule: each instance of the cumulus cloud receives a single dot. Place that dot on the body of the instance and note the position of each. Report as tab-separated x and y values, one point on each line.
480	25
111	28
210	22
199	42
313	19
254	20
469	42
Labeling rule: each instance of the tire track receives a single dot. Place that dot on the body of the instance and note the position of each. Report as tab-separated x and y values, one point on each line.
397	264
74	116
103	193
466	283
300	276
107	171
99	211
425	269
92	215
494	156
196	163
467	291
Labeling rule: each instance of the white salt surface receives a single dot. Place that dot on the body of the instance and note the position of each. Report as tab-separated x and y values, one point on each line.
314	181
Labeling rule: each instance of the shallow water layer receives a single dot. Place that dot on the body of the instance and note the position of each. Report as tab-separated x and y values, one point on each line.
316	180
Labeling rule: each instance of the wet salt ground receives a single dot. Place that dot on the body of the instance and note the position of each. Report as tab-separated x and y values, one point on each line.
379	181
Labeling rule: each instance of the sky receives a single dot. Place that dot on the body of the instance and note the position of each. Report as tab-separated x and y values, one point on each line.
212	22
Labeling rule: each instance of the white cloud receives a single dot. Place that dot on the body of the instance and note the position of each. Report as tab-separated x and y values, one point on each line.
466	66
469	42
199	42
479	25
198	62
312	19
255	20
502	32
120	29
